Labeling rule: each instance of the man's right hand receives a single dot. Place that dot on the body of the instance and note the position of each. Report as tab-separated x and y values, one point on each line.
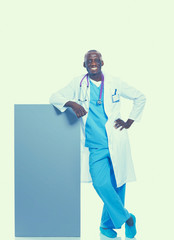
77	108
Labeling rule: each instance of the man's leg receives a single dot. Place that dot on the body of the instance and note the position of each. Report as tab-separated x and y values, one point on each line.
101	177
106	221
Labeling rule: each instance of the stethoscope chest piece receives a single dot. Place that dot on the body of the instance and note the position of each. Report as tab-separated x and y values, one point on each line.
99	102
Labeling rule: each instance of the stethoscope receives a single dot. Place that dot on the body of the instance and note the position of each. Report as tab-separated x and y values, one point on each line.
101	89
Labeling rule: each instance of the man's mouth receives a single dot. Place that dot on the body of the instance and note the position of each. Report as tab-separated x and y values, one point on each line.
93	68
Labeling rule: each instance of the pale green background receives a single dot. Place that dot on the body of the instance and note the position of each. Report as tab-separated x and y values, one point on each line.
42	48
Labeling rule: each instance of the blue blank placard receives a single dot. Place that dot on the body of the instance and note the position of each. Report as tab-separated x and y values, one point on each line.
47	172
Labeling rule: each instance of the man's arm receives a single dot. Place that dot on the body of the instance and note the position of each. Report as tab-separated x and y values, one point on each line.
61	97
139	100
120	123
65	98
77	108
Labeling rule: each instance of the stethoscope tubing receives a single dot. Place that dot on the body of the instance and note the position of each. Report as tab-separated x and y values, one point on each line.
86	75
101	88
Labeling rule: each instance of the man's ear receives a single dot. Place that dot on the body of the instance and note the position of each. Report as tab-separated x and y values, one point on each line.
102	63
84	64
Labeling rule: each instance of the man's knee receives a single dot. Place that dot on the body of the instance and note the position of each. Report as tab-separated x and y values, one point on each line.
101	185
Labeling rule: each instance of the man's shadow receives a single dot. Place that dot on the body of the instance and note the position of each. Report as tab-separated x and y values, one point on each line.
102	237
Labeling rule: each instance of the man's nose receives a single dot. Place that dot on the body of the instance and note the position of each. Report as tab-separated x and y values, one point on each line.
93	62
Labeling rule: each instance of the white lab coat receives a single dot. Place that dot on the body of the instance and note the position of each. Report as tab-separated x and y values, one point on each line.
118	141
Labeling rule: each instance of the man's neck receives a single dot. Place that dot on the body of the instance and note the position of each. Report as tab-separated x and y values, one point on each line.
96	77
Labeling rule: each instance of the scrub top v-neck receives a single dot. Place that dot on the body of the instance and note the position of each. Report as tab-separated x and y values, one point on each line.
95	132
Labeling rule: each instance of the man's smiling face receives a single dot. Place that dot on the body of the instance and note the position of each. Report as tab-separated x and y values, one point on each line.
93	62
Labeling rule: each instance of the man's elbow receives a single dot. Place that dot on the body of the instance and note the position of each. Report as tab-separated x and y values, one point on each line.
142	98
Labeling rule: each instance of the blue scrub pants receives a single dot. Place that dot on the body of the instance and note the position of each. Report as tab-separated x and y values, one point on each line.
114	214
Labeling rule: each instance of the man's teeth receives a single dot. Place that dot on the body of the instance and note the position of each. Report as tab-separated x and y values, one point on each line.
94	68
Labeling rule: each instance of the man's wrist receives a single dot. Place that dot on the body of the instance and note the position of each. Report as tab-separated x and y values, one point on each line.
129	122
69	104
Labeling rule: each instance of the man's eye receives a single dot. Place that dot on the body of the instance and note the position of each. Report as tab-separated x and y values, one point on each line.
95	60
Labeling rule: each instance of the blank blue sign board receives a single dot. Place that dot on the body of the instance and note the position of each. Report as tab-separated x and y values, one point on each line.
47	172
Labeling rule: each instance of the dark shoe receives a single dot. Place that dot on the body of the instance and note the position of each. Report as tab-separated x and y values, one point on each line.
130	231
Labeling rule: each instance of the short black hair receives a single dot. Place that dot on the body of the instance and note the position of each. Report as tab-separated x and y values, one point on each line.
93	51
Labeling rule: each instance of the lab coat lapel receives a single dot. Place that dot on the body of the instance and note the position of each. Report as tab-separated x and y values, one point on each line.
85	93
107	94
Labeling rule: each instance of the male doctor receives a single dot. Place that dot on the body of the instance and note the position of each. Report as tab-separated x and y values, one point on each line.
105	150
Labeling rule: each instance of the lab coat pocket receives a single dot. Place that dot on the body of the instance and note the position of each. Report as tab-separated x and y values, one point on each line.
115	96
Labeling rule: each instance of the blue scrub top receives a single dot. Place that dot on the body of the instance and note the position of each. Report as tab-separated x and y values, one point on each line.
95	132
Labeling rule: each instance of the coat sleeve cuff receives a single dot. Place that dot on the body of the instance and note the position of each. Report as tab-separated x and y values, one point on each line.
59	106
